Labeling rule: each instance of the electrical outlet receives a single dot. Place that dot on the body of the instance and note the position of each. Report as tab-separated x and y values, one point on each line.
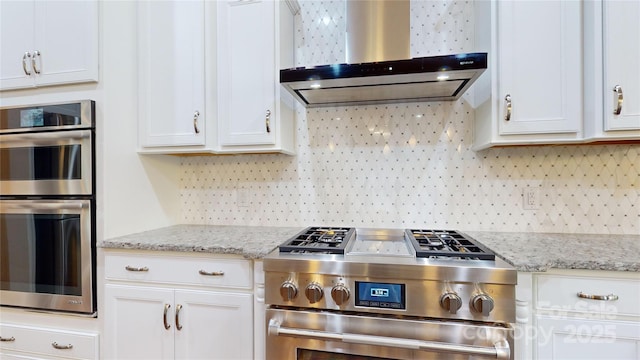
242	197
531	198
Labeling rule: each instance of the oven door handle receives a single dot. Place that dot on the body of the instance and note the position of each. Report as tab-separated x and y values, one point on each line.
500	349
47	137
44	205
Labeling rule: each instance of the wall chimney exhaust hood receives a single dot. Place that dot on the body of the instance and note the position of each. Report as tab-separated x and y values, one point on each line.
379	67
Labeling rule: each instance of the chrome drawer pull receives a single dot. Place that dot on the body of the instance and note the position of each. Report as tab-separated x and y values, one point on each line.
196	116
268	121
610	297
7	339
618	100
61	347
33	61
178	325
24	63
164	317
507	116
212	273
140	269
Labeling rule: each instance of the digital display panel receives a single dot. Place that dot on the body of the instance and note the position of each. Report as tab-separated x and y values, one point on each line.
31	117
380	295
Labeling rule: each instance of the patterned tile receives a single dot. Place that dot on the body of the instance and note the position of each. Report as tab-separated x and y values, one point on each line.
405	165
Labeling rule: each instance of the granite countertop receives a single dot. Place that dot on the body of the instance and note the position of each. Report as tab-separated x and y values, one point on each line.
529	252
542	251
252	242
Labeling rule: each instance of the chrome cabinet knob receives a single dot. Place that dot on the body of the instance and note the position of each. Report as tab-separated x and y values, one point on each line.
340	294
451	302
314	292
482	303
288	290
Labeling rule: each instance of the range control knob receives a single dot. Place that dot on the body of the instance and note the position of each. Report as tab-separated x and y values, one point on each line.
314	292
451	302
340	294
482	303
288	290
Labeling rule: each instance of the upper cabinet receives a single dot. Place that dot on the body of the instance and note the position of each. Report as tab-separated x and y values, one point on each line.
531	92
251	112
559	72
612	74
215	87
171	73
48	43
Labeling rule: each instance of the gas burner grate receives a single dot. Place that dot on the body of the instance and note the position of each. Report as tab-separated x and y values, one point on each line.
322	240
447	243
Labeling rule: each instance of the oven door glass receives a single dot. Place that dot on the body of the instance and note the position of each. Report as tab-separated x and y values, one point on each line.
45	254
52	163
306	354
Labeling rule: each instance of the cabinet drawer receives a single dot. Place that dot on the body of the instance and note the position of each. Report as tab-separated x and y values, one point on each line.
197	271
560	293
41	341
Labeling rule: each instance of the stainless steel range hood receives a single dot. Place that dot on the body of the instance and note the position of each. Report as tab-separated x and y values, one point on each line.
379	67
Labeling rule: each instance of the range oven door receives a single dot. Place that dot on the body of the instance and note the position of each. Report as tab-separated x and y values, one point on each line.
46	254
47	163
320	335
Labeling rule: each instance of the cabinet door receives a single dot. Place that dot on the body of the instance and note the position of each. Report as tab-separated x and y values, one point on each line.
621	45
246	72
215	325
134	320
16	39
580	339
171	67
539	66
66	42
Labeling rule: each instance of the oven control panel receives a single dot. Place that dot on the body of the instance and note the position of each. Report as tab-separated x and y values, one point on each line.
429	298
380	295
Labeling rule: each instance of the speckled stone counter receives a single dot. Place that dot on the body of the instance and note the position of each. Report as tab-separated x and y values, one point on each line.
541	251
528	252
250	242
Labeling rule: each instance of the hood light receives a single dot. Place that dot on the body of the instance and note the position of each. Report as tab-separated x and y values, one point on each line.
315	86
442	77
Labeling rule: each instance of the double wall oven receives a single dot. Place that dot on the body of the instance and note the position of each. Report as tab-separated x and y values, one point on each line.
373	294
47	207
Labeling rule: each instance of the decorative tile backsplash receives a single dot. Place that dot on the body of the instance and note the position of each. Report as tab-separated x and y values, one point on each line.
410	165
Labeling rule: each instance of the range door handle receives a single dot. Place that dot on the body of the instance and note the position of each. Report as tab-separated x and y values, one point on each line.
500	349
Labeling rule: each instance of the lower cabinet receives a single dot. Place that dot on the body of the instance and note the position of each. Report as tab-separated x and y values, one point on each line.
578	314
31	342
583	338
185	315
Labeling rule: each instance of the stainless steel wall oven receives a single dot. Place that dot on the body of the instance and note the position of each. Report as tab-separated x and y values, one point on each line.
48	206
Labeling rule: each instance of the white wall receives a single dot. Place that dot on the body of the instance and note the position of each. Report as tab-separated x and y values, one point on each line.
135	193
140	192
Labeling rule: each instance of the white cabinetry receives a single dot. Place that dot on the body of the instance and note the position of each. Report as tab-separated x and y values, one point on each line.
48	43
580	314
531	92
612	73
177	306
171	59
31	342
215	87
255	40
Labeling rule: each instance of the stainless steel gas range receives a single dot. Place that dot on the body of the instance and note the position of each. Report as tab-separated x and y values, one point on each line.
346	293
